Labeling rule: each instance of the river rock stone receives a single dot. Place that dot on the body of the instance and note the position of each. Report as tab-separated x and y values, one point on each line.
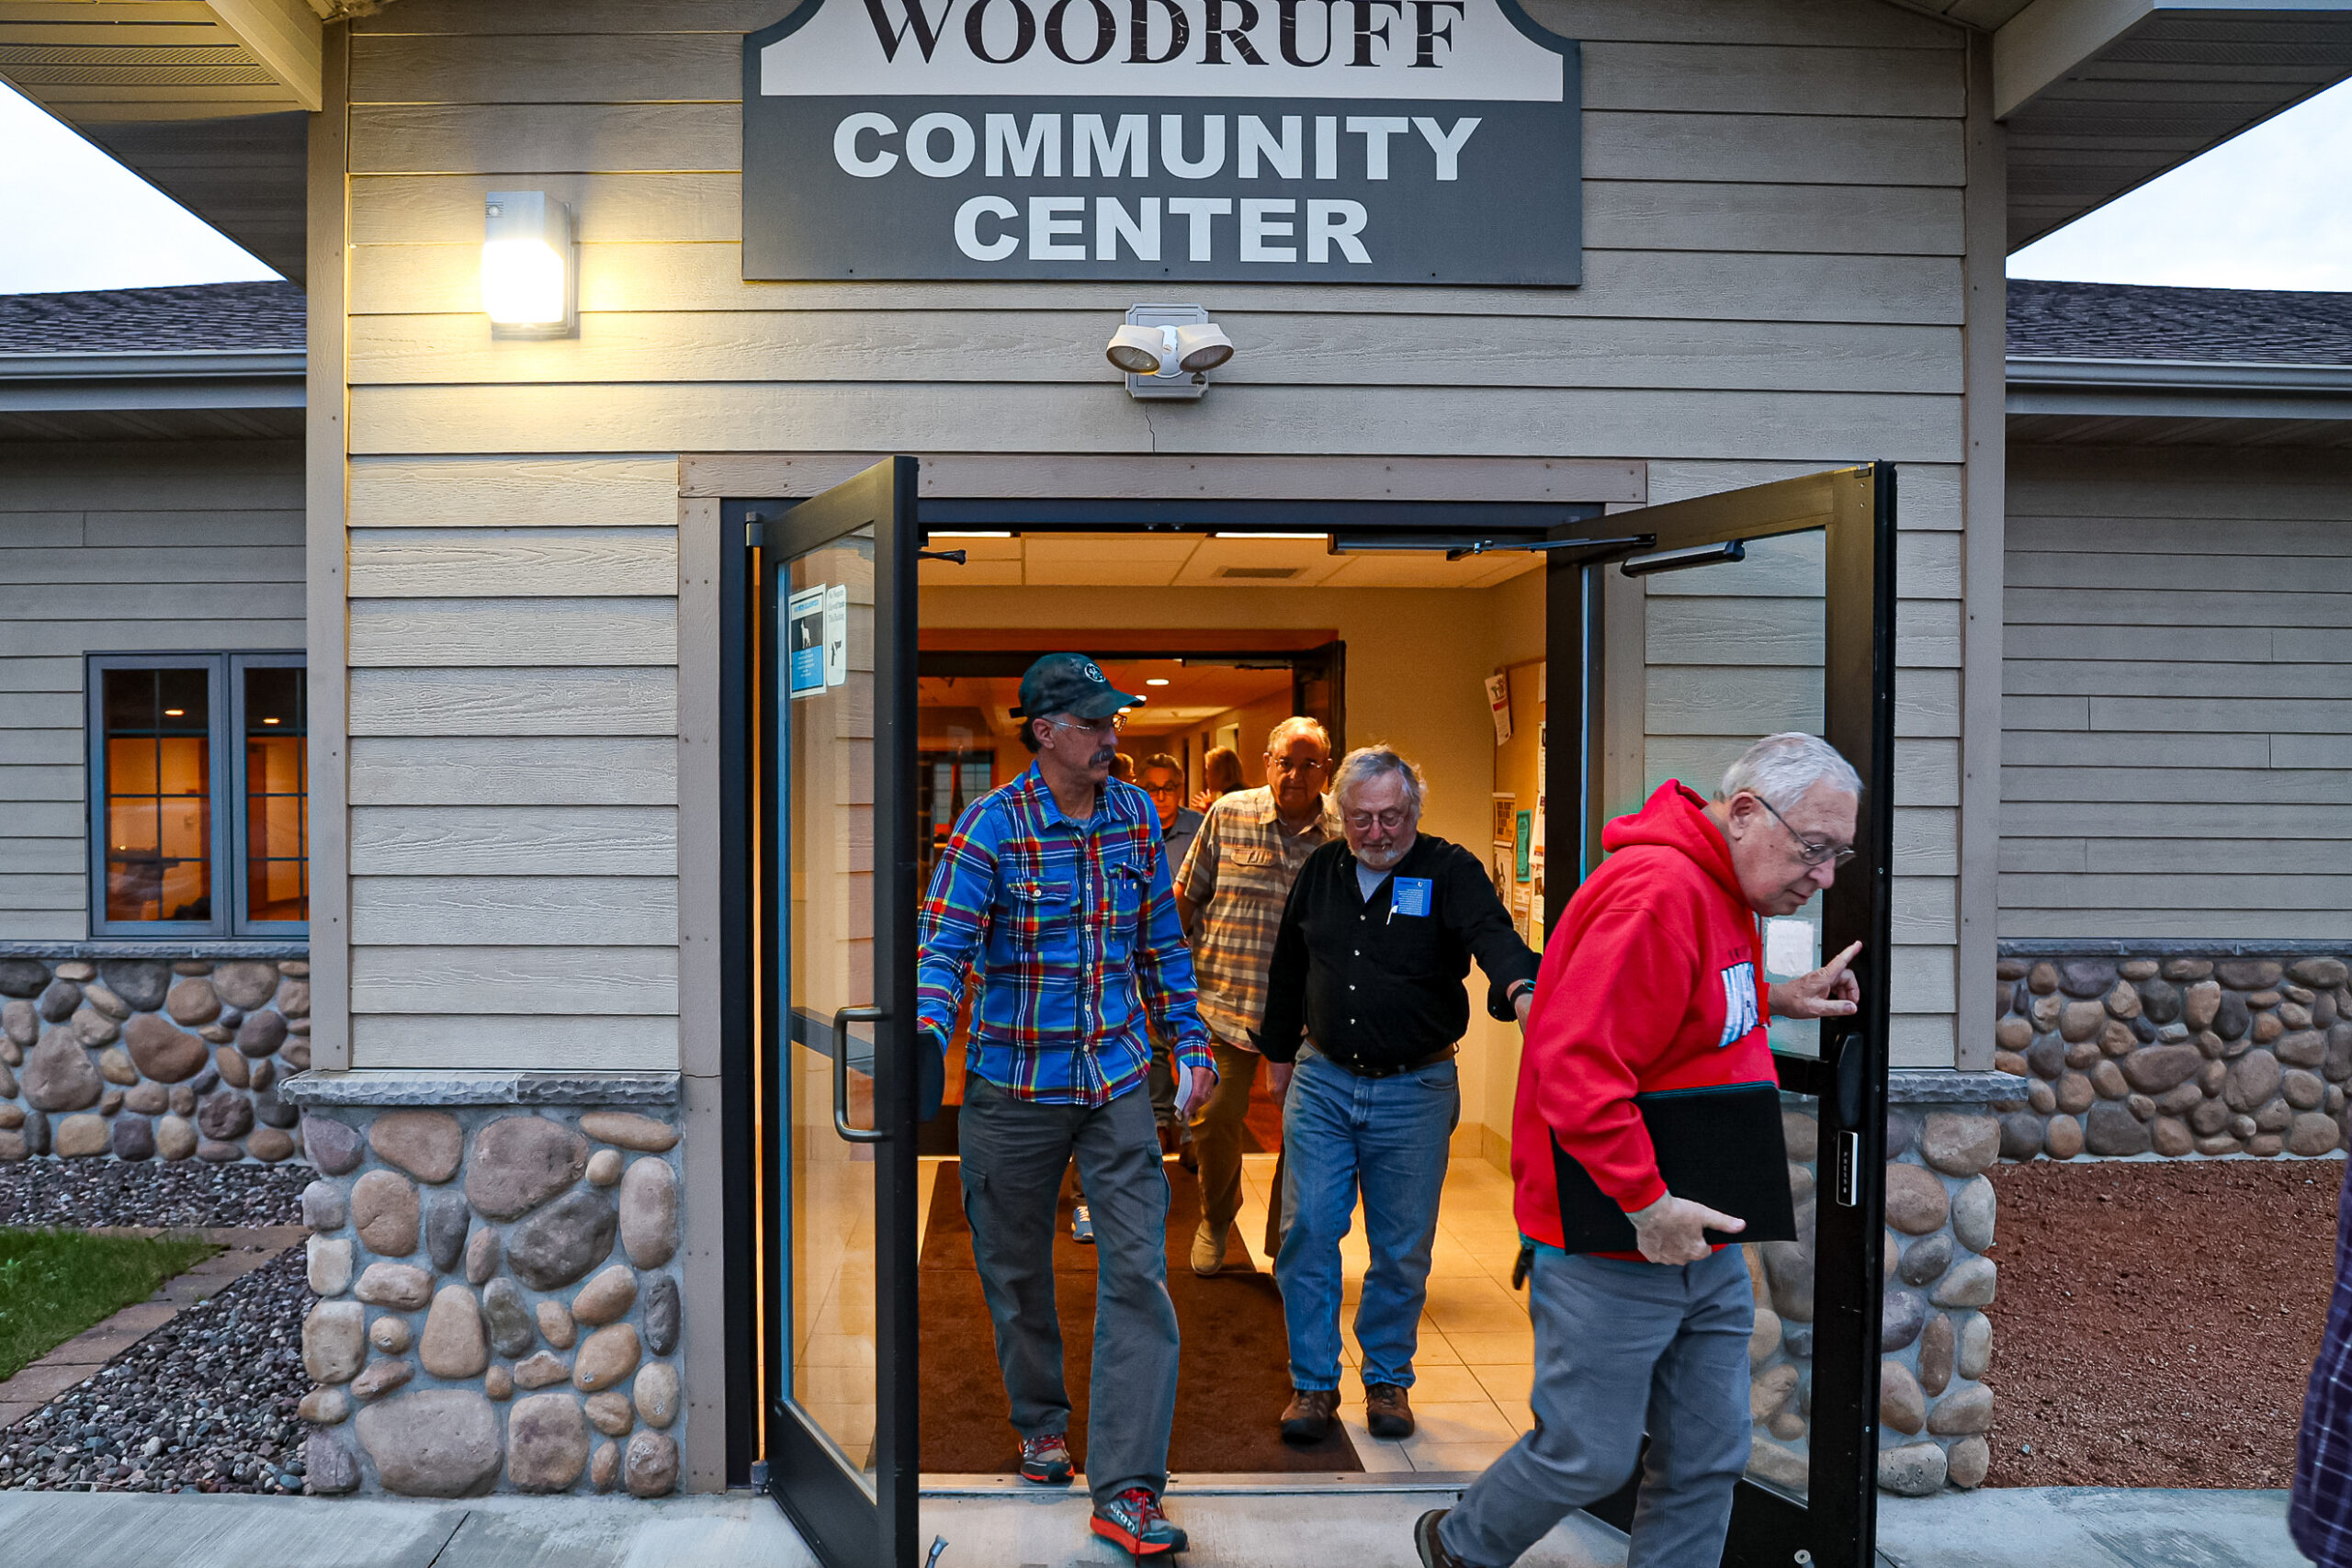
1937	1346
2304	1090
2181	1098
1914	1470
2232	1018
2200	1005
335	1341
1788	1268
246	985
656	1392
1916	1203
20	1024
2160	1067
193	1002
1966	1462
2303	1048
22	977
1958	1144
1965	1409
1970	1283
661	1315
603	1167
80	1136
58	999
1974	1208
564	1240
232	1068
391	1333
556	1326
2122	1000
425	1144
260	1034
2086	976
1901	1404
436	1442
333	1146
2246	974
93	1028
270	1144
175	1137
2159	1000
328	1468
499	1384
36	1133
606	1298
400	1286
2325	974
604	1467
2170	1136
225	1115
1925	1261
1770	1389
146	1099
2062	1137
629	1131
2253	1080
650	1465
272	1112
2075	1093
546	1443
611	1413
605	1358
482	1253
325	1208
2020	1134
519	1162
58	1074
2081	1020
1762	1340
2014	1033
2048	1057
330	1264
2111	1129
2312	1133
294	998
541	1369
454	1343
324	1406
2108	1080
2338	1065
384	1211
648	1196
446	1219
134	1137
511	1327
1902	1314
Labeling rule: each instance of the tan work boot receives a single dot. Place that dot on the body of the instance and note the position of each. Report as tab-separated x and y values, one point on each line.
1386	1411
1208	1246
1308	1417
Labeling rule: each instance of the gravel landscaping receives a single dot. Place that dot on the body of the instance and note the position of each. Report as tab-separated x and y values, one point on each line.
2157	1319
85	1192
205	1402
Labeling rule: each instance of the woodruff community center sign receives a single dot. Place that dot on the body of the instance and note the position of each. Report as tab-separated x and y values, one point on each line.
1295	140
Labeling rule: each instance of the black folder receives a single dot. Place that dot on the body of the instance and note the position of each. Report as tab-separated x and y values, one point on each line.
1720	1146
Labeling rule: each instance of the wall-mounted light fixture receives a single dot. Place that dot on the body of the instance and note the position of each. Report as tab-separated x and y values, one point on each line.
530	271
1168	351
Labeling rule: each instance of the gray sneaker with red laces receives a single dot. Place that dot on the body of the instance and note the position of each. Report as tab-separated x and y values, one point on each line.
1046	1460
1133	1520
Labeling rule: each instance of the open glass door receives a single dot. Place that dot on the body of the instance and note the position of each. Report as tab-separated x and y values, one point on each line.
1678	634
837	584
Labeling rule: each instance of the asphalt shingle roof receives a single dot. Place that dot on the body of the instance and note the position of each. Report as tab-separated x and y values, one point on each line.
247	317
2118	321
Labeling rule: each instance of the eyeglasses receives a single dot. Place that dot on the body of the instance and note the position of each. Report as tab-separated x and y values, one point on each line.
1309	765
1396	816
1807	851
1114	724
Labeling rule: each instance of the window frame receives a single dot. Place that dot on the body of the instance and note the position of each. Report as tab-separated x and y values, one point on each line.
225	702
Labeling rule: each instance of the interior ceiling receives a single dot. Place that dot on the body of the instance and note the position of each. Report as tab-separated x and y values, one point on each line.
1204	561
1194	694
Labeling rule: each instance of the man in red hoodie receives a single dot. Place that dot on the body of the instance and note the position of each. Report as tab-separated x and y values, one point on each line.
1653	981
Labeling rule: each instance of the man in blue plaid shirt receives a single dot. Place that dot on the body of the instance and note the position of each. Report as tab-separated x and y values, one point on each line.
1054	890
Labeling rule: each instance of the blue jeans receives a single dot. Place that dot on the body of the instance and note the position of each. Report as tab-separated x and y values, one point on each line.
1389	1139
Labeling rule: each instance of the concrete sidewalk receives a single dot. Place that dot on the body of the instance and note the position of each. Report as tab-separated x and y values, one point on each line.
1356	1528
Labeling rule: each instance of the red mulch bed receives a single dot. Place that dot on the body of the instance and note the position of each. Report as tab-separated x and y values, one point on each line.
2156	1320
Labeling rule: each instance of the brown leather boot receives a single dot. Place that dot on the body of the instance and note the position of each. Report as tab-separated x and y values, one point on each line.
1308	1417
1386	1411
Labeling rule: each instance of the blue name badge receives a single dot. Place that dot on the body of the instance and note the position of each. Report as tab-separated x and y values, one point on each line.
1412	897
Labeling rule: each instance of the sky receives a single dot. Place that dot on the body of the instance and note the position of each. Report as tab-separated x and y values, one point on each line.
2266	211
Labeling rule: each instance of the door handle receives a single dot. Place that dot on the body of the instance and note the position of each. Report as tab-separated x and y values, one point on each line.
842	1020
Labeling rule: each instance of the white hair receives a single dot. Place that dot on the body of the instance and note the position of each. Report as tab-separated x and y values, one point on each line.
1779	768
1367	764
1297	723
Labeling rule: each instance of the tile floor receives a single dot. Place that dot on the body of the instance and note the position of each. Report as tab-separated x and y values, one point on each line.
1477	1351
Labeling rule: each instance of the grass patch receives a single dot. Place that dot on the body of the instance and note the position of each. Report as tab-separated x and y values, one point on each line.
55	1284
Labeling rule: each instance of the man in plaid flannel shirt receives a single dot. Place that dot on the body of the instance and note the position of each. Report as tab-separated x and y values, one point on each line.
1054	890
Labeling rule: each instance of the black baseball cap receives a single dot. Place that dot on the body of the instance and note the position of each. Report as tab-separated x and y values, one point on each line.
1070	684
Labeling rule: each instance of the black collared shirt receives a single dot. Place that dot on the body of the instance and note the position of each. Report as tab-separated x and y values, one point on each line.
1375	987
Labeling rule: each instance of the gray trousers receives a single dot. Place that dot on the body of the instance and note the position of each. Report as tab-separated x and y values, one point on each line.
1013	1156
1620	1347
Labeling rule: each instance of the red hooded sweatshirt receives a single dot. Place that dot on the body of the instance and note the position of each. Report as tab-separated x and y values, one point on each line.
1650	981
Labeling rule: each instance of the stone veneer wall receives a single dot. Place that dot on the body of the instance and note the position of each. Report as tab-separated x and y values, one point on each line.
1935	1340
500	1308
2176	1054
151	1057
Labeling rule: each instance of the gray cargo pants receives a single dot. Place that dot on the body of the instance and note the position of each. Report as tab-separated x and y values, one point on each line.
1620	1347
1013	1155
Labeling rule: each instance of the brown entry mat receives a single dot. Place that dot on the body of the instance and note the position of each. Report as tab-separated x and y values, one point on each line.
1234	1378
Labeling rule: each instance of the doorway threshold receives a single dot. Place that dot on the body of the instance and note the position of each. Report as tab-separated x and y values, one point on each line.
1230	1483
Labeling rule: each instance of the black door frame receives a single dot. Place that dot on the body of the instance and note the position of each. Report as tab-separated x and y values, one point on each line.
1837	1527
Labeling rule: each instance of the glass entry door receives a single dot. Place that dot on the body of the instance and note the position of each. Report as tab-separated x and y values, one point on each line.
837	972
1735	615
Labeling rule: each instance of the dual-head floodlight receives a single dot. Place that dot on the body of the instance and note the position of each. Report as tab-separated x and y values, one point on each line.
1168	351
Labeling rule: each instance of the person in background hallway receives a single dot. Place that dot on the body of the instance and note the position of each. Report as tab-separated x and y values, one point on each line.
1653	981
1375	941
1221	772
2319	1509
1162	778
1122	767
1229	892
1054	892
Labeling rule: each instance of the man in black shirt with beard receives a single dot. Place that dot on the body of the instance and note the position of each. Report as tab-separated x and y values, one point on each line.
1375	941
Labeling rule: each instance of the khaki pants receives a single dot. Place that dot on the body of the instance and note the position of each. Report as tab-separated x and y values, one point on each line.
1217	1136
